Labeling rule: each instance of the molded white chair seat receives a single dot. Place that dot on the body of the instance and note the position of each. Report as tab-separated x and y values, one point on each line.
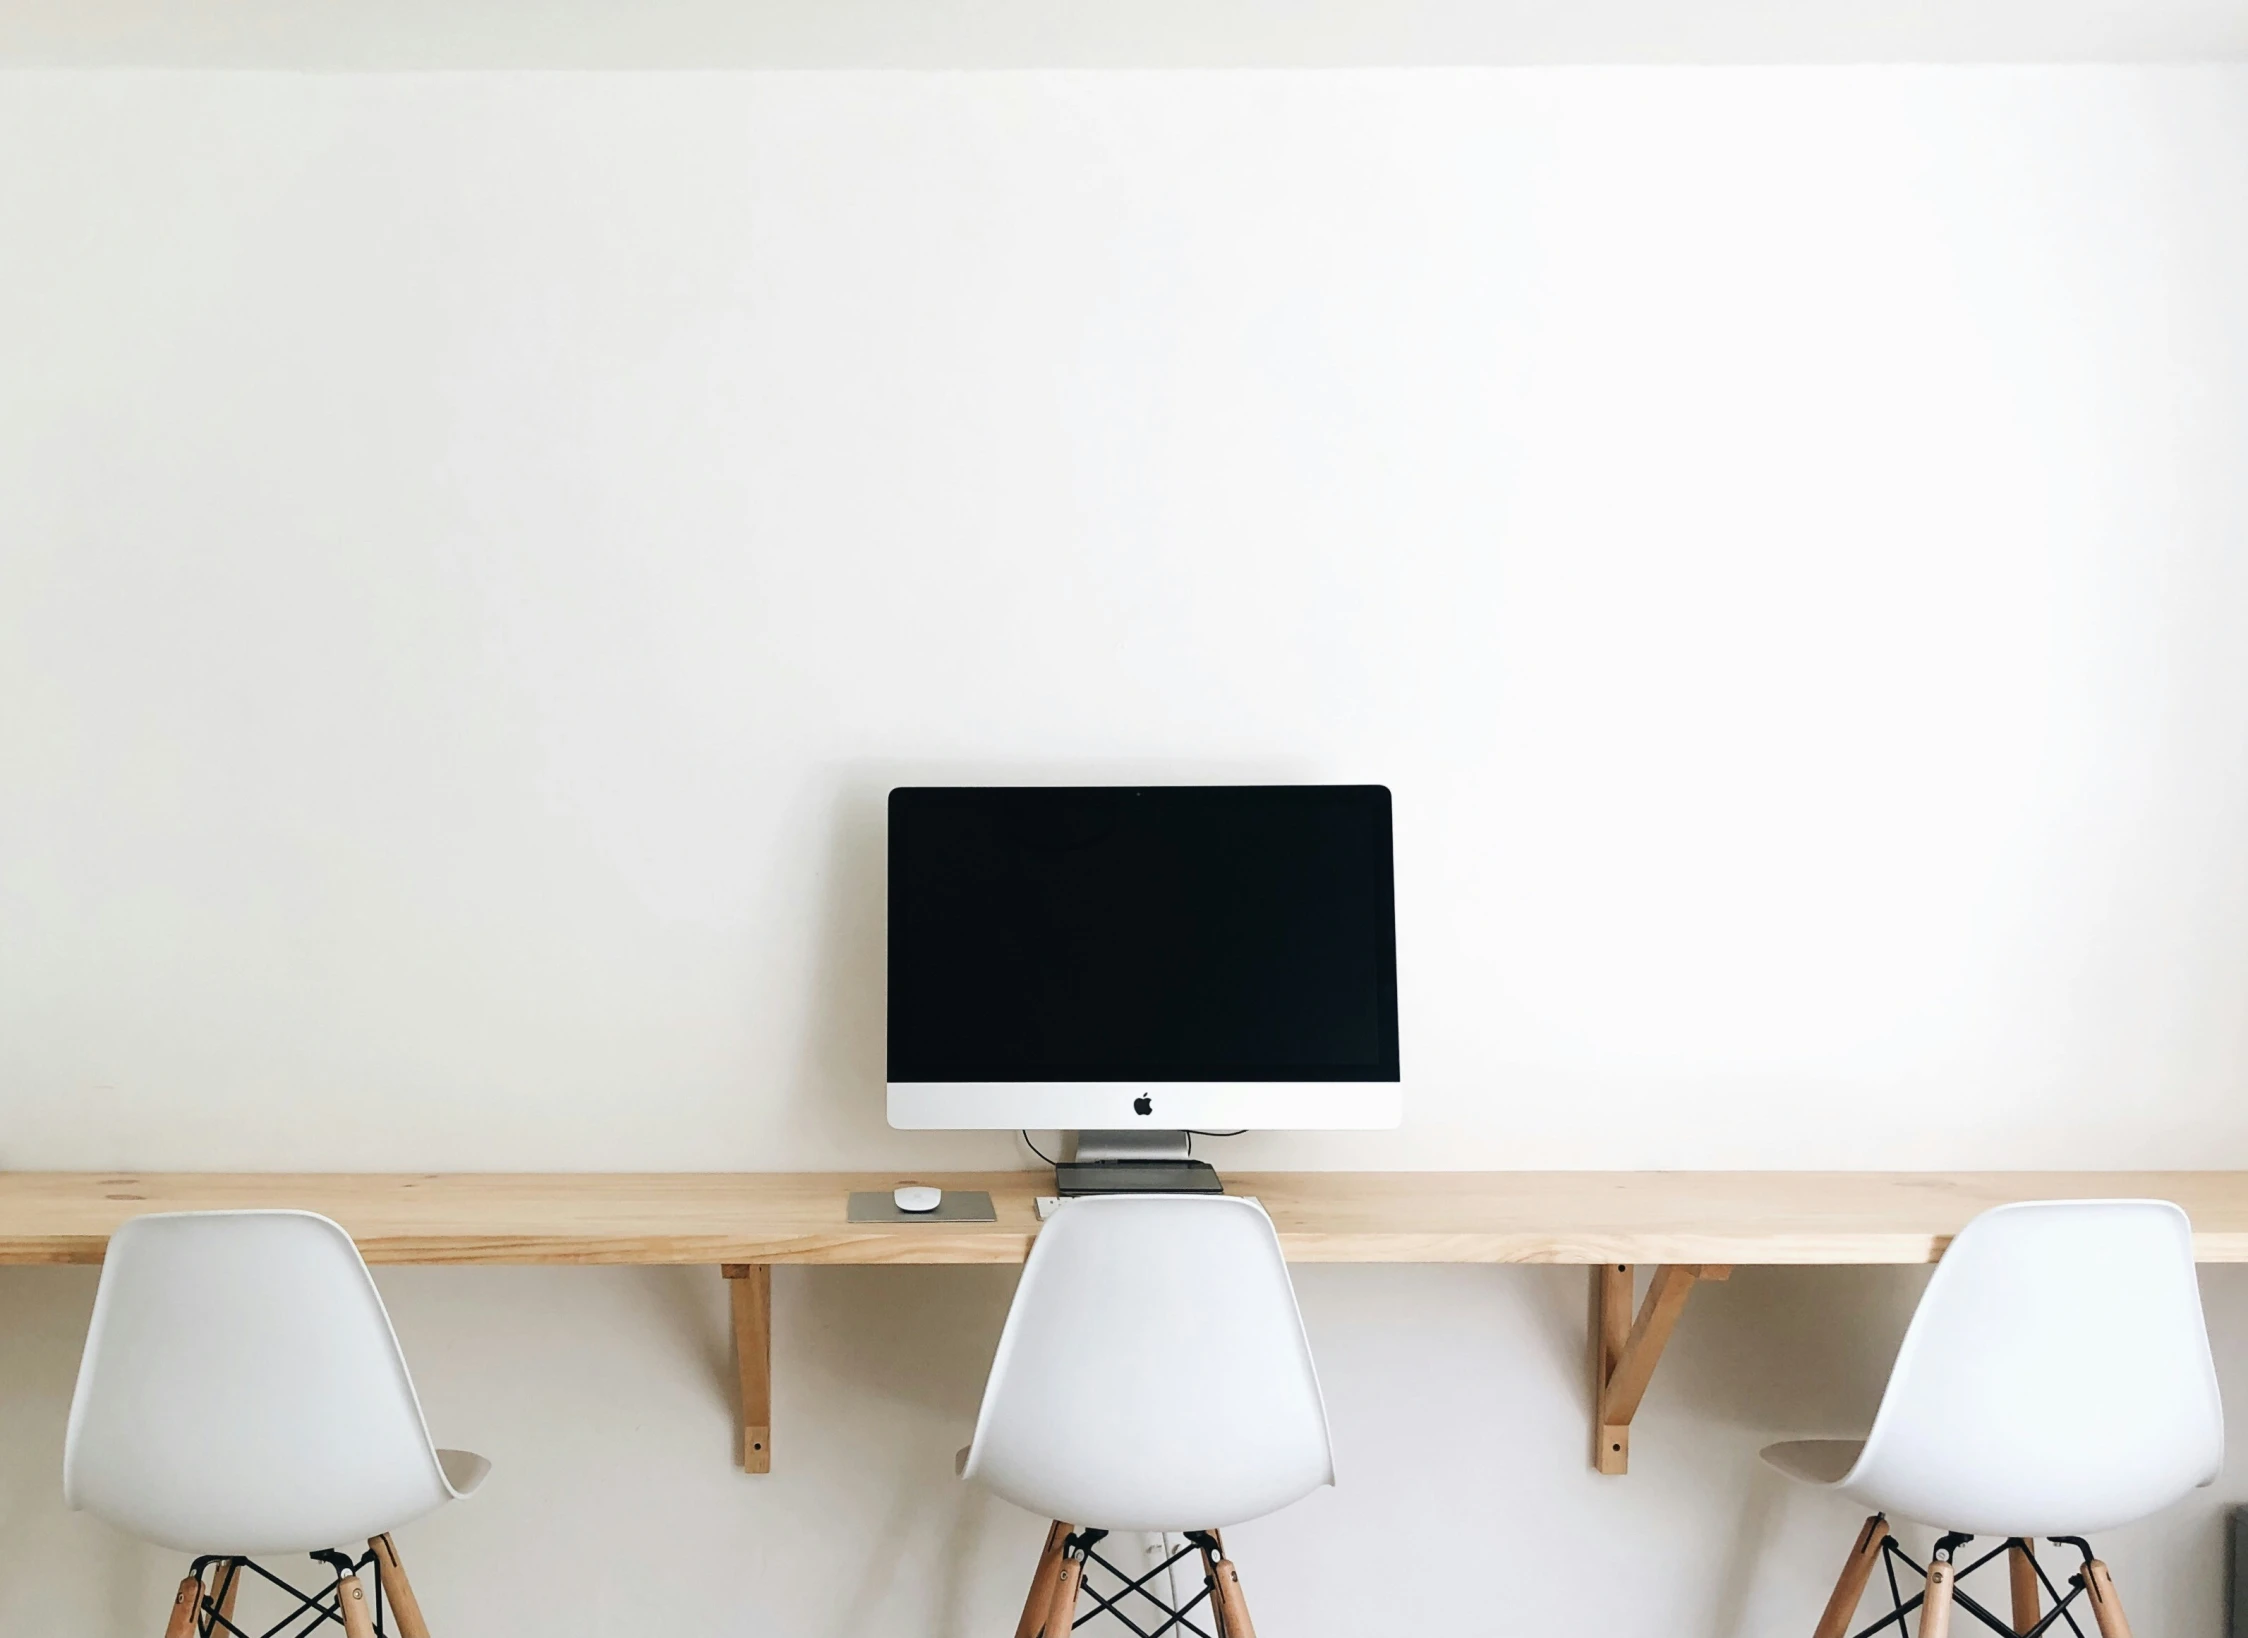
2056	1379
1153	1373
1153	1376
242	1392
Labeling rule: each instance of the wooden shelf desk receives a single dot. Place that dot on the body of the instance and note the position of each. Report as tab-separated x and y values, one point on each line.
1690	1225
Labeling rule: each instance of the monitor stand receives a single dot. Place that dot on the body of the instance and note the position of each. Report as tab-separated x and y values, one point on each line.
1134	1163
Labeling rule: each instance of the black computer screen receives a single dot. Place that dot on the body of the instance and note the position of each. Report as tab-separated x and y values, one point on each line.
1157	933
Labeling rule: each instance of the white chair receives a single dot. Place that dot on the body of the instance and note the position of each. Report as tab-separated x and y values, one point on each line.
242	1394
1153	1376
2055	1381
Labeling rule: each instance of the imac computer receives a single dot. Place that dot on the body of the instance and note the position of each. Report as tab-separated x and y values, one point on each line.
1139	962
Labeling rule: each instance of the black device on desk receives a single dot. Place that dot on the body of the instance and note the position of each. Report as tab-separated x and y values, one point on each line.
1137	962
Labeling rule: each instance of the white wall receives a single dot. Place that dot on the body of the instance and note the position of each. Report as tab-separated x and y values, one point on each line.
389	35
474	551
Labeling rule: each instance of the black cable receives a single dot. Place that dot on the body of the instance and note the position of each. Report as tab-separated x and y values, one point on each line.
1192	1134
1034	1149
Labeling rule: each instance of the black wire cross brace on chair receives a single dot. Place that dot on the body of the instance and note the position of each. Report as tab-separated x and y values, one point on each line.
1073	1553
1940	1592
204	1607
1173	1620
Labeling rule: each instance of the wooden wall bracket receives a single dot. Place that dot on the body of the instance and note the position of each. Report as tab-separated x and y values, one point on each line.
1625	1350
749	1287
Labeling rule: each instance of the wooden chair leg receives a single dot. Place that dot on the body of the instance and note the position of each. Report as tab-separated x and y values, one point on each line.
1210	1561
1061	1614
1935	1610
1850	1586
1233	1605
351	1599
1226	1596
1041	1597
397	1591
185	1603
2106	1608
2021	1582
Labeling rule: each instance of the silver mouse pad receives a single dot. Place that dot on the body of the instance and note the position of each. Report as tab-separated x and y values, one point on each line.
958	1206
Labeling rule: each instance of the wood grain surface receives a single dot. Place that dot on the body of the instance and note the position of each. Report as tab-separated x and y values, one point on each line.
1330	1217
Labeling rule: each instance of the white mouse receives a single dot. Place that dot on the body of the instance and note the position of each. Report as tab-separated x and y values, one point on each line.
917	1197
